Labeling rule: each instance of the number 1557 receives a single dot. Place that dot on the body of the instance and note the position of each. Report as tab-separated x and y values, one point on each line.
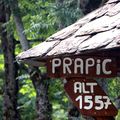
98	102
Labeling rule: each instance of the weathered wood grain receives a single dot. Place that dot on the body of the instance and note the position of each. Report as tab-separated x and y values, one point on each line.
114	10
102	40
67	46
39	50
65	33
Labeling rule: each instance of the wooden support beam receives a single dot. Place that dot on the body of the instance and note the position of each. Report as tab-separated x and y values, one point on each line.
105	118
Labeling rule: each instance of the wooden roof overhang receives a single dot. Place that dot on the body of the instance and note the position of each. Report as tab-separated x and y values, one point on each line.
96	34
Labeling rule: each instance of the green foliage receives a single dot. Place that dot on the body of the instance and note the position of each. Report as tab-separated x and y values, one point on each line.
27	89
118	116
59	100
45	17
114	91
67	12
26	100
114	88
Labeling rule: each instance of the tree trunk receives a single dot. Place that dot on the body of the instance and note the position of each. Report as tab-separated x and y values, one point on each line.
19	24
104	84
41	86
73	113
43	106
10	84
117	102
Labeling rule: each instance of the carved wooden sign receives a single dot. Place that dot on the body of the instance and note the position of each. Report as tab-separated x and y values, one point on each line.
89	98
82	67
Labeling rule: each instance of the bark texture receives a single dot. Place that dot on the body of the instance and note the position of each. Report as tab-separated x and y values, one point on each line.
2	8
41	83
10	111
19	24
11	86
43	106
73	113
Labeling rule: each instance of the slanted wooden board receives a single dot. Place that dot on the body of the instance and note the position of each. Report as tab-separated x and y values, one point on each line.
89	97
105	118
84	66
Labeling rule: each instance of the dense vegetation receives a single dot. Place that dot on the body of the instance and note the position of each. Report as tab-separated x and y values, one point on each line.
42	18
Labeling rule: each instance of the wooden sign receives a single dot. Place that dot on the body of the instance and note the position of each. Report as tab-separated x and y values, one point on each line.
82	67
89	98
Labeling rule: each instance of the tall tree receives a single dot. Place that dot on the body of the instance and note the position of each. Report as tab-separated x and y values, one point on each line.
10	111
41	85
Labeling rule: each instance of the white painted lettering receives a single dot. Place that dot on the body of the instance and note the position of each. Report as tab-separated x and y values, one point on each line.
98	67
99	102
55	63
105	62
78	65
92	85
89	63
89	102
79	98
107	103
77	87
83	88
85	66
66	66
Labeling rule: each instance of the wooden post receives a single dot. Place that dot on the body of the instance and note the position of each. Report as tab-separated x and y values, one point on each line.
105	118
90	99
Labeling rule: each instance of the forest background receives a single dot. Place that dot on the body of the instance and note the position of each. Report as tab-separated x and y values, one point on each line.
24	24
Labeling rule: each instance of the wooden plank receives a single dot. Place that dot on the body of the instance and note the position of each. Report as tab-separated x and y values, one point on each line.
39	50
77	44
89	98
70	45
104	118
104	40
101	24
84	66
64	33
114	10
90	27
